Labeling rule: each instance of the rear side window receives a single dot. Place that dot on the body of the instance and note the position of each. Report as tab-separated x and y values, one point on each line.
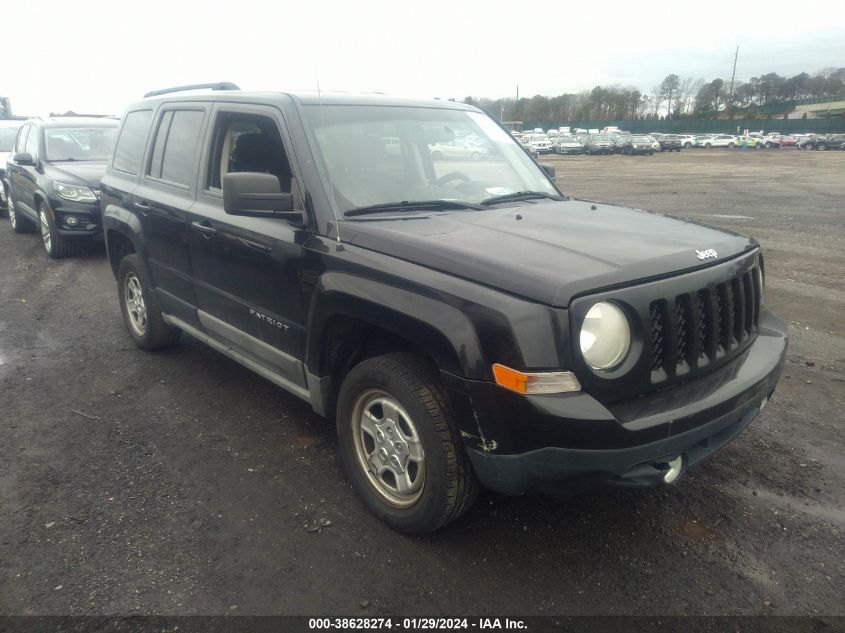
175	146
129	150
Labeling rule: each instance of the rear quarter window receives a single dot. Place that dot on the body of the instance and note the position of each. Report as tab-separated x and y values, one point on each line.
129	151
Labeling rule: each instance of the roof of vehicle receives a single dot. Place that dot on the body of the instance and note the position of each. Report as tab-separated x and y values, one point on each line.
308	98
76	121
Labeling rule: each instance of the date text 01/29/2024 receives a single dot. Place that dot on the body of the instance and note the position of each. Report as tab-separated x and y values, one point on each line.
416	624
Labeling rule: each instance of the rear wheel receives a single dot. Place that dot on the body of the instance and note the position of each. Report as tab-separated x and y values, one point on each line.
138	305
707	145
731	145
822	146
400	444
19	223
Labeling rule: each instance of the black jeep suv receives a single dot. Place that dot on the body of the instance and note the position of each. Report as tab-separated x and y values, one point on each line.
462	322
53	177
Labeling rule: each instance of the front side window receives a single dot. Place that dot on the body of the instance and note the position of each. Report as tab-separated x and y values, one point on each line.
248	143
32	142
20	146
78	143
375	155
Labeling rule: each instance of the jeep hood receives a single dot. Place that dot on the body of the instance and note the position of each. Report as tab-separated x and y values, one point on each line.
548	252
83	173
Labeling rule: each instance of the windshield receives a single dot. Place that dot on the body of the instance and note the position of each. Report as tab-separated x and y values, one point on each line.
7	138
599	137
640	139
382	155
79	143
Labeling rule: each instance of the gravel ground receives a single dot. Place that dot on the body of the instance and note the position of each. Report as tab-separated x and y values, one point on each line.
181	483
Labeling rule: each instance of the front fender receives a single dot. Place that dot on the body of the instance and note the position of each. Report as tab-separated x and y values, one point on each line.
443	331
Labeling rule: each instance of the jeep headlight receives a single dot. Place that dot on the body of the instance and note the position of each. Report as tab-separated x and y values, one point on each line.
605	336
75	193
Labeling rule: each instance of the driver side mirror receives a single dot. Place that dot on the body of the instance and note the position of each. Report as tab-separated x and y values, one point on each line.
549	169
24	159
257	195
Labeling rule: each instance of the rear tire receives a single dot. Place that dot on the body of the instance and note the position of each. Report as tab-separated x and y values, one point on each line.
396	400
19	223
821	147
731	145
139	308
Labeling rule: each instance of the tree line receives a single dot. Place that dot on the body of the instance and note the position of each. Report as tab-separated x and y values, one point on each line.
673	98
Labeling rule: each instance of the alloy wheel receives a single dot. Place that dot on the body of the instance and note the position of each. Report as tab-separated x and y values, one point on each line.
45	230
135	307
389	448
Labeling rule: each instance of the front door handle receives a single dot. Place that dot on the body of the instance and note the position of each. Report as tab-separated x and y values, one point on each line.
143	207
207	231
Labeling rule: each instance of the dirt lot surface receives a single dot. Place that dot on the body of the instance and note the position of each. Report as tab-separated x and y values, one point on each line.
181	483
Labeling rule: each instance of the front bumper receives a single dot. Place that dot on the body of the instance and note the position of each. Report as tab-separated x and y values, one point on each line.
89	218
627	443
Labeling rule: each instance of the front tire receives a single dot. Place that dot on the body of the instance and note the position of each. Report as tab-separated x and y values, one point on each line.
731	145
821	147
57	247
400	444
138	305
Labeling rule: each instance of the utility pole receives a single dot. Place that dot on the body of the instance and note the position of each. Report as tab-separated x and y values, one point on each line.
731	91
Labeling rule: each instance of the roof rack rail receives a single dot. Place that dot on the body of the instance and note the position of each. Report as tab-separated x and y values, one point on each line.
220	85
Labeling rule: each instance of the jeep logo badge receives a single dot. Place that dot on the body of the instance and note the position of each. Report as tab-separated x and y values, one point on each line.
709	253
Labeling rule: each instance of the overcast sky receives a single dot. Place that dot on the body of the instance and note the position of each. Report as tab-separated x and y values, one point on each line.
96	57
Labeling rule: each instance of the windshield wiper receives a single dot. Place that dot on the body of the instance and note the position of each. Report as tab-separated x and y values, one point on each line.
520	195
413	205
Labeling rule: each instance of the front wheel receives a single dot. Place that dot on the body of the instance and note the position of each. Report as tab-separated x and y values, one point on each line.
822	147
400	444
731	145
138	305
707	146
56	246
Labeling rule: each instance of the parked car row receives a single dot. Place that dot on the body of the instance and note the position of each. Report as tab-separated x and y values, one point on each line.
51	179
822	142
619	142
492	339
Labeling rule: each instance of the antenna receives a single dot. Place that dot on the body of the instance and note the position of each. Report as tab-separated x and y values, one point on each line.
329	171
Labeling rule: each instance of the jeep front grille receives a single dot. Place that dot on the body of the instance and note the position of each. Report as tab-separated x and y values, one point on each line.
703	326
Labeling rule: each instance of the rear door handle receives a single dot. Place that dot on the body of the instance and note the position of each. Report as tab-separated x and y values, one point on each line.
207	231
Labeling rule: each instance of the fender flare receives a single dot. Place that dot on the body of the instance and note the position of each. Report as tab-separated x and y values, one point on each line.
116	219
443	331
